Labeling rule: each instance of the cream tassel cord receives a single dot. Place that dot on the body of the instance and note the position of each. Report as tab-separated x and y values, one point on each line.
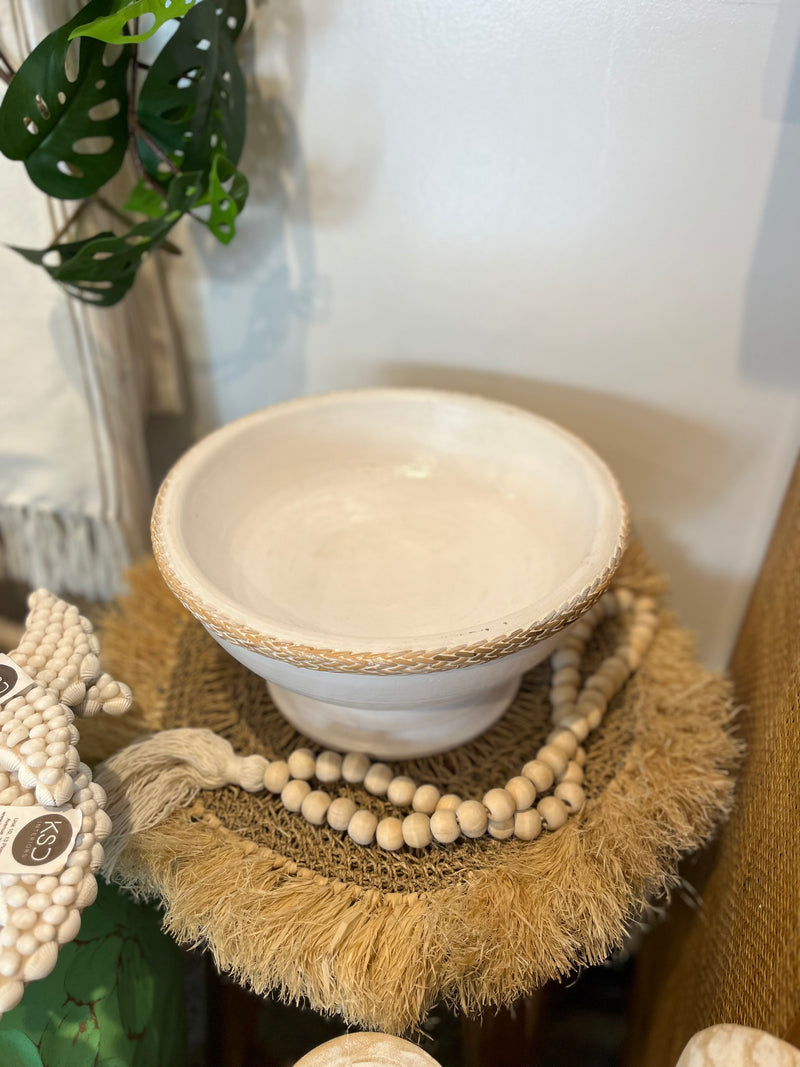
148	780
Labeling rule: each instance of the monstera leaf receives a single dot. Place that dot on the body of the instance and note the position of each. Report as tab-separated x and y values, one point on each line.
145	200
226	195
193	99
111	28
68	124
101	269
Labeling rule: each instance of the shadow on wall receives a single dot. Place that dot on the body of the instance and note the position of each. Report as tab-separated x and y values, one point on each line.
771	323
664	463
263	282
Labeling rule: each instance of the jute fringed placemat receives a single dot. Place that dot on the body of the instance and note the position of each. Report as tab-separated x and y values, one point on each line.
380	937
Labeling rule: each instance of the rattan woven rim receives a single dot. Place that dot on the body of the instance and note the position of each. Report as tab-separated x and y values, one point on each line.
402	660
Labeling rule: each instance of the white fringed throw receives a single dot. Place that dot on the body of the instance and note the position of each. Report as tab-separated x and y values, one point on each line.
76	382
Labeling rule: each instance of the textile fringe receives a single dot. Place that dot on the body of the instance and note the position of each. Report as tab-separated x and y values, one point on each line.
377	938
147	781
83	555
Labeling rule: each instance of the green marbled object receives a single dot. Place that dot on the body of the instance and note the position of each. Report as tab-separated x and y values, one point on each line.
115	998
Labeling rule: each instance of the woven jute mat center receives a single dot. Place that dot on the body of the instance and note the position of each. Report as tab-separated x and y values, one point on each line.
377	936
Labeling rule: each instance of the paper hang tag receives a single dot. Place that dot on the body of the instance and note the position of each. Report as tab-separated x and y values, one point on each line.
35	840
13	680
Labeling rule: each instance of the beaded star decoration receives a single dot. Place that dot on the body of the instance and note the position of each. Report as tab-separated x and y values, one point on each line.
40	765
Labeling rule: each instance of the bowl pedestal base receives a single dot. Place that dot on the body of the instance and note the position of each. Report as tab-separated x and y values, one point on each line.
394	733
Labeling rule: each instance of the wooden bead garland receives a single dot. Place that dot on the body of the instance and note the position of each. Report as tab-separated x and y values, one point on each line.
548	789
39	764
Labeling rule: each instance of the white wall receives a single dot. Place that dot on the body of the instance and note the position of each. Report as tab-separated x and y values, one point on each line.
588	207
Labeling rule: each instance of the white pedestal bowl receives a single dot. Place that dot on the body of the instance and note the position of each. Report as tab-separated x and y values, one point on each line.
391	561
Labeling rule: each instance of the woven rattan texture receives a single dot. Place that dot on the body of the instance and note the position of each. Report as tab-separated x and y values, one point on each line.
377	936
738	959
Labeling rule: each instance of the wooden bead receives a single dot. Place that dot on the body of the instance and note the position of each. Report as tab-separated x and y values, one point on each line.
573	773
625	599
565	676
340	812
501	829
276	775
449	802
389	834
527	824
354	766
362	827
472	818
425	799
647	604
634	658
576	723
417	830
564	658
591	708
444	825
554	757
553	812
575	644
571	794
640	636
592	696
302	764
500	804
329	767
294	793
401	791
608	602
581	630
563	694
540	773
377	778
602	682
617	668
594	718
315	807
523	791
565	740
580	757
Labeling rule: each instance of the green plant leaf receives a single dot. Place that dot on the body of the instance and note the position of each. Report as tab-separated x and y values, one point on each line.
193	99
71	134
101	269
145	200
226	194
110	28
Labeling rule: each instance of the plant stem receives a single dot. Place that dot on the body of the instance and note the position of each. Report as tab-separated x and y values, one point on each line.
106	205
73	218
135	131
155	148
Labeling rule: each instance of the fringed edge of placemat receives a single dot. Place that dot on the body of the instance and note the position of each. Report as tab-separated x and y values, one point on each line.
382	960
